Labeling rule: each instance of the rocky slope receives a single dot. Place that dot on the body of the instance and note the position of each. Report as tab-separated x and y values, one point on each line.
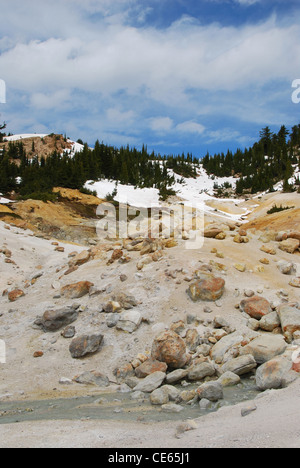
147	316
130	293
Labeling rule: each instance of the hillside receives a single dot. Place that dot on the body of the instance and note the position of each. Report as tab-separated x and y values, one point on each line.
41	145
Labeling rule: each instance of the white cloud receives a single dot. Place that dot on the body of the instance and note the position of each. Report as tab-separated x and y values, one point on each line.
55	100
190	127
161	124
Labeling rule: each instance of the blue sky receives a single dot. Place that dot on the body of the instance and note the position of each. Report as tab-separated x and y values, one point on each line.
177	75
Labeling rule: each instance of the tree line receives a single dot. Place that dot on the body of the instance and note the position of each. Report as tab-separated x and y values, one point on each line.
272	159
35	177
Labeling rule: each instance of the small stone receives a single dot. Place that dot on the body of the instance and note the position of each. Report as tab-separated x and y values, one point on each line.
15	295
240	267
248	409
172	408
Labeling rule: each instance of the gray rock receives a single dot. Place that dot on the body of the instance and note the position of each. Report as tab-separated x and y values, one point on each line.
224	345
240	366
270	322
229	379
287	268
54	320
248	409
85	344
265	347
129	321
176	376
200	371
172	408
92	378
138	396
112	319
68	332
173	392
205	404
273	373
151	383
289	316
160	396
212	391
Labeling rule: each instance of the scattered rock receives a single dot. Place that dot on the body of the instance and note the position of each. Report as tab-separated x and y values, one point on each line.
240	366
287	268
151	383
248	409
212	391
76	290
268	250
229	379
290	320
172	408
92	378
295	282
240	239
265	347
270	322
272	374
170	348
160	396
256	307
68	332
207	288
222	347
80	259
129	321
289	245
240	267
176	376
212	233
15	295
200	371
54	320
84	345
149	367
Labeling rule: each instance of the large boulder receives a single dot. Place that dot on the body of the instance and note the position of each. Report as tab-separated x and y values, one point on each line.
170	348
290	320
274	374
206	288
256	307
54	320
265	347
85	344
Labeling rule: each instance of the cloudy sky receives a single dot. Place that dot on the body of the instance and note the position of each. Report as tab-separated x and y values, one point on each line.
177	75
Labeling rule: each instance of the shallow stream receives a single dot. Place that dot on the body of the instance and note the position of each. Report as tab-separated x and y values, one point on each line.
115	406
